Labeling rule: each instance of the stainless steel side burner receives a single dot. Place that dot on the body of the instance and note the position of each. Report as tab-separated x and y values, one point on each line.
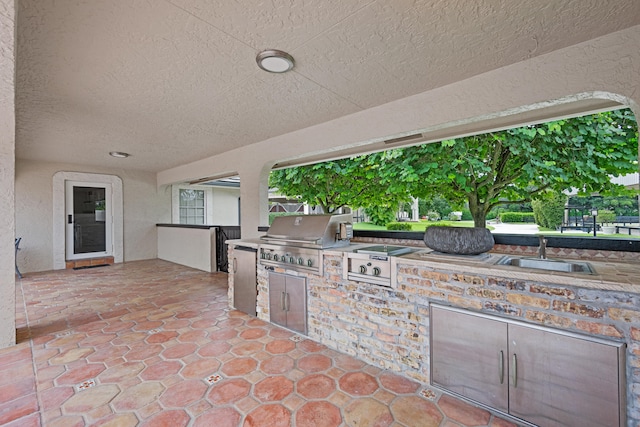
372	264
384	249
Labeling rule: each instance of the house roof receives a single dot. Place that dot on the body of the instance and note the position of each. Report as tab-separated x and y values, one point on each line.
171	82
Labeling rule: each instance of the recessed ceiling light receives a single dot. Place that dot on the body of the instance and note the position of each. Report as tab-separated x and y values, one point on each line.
119	154
275	61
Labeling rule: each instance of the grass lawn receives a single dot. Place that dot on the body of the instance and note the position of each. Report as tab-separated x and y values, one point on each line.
415	226
421	225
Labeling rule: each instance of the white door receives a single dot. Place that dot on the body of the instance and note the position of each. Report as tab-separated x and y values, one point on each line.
89	220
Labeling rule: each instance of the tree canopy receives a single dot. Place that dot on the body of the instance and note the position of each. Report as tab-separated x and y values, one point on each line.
355	182
514	165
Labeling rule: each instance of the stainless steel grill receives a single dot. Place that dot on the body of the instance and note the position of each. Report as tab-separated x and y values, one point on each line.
295	242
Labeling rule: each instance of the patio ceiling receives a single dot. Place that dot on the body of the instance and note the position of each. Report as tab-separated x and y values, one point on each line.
175	81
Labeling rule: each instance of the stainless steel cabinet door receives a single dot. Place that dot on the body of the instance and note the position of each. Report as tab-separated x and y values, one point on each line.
245	283
296	304
277	299
469	356
560	380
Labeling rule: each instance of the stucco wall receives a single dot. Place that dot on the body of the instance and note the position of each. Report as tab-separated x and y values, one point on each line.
603	68
7	154
193	247
144	207
225	206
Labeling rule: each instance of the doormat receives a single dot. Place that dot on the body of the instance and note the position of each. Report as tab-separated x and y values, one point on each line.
91	266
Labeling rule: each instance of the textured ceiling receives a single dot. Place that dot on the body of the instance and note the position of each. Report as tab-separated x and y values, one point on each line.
175	81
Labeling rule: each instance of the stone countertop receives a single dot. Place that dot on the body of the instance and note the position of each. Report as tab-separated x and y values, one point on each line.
251	243
613	276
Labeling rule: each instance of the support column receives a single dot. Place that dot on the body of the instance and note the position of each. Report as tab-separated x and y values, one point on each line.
7	174
254	200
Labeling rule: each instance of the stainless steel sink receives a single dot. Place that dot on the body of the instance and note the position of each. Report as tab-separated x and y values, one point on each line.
548	264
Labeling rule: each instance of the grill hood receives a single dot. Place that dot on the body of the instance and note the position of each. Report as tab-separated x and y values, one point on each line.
316	231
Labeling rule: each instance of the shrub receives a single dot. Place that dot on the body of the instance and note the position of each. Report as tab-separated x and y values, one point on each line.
454	216
399	226
380	215
516	217
433	216
466	215
606	217
549	211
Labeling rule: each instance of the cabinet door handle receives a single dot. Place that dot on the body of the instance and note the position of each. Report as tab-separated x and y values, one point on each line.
282	301
501	366
288	302
514	370
235	265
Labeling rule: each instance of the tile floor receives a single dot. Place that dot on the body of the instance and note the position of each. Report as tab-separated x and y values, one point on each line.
152	343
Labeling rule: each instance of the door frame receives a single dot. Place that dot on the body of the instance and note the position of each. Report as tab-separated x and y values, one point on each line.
59	215
69	211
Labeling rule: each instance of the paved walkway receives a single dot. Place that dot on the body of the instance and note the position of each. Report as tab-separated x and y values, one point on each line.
152	343
505	228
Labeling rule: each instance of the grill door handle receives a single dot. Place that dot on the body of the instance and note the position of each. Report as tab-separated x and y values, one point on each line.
287	301
282	301
235	265
501	366
514	370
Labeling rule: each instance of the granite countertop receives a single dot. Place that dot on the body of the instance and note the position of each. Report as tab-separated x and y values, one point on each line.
613	276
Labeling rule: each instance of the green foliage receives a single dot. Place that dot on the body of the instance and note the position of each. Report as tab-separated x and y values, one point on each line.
485	171
515	165
516	217
356	182
434	204
454	217
548	209
381	215
606	217
621	205
433	216
399	226
466	215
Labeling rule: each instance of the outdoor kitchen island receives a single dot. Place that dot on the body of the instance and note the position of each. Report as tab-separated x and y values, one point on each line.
389	326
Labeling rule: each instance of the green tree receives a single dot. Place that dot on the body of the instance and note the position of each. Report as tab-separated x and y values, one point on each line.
355	182
436	203
517	165
504	167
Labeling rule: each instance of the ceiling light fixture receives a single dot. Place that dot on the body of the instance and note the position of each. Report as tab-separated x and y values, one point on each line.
119	154
275	61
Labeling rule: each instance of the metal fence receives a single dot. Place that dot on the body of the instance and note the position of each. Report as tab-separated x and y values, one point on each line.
224	233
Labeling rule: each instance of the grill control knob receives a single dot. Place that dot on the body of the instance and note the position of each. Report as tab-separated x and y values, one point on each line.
309	262
292	260
363	269
276	257
300	261
268	255
376	271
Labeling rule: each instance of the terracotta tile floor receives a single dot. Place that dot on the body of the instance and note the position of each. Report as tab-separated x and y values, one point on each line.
152	343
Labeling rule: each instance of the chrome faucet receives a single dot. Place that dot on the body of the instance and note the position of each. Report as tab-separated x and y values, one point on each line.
542	249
